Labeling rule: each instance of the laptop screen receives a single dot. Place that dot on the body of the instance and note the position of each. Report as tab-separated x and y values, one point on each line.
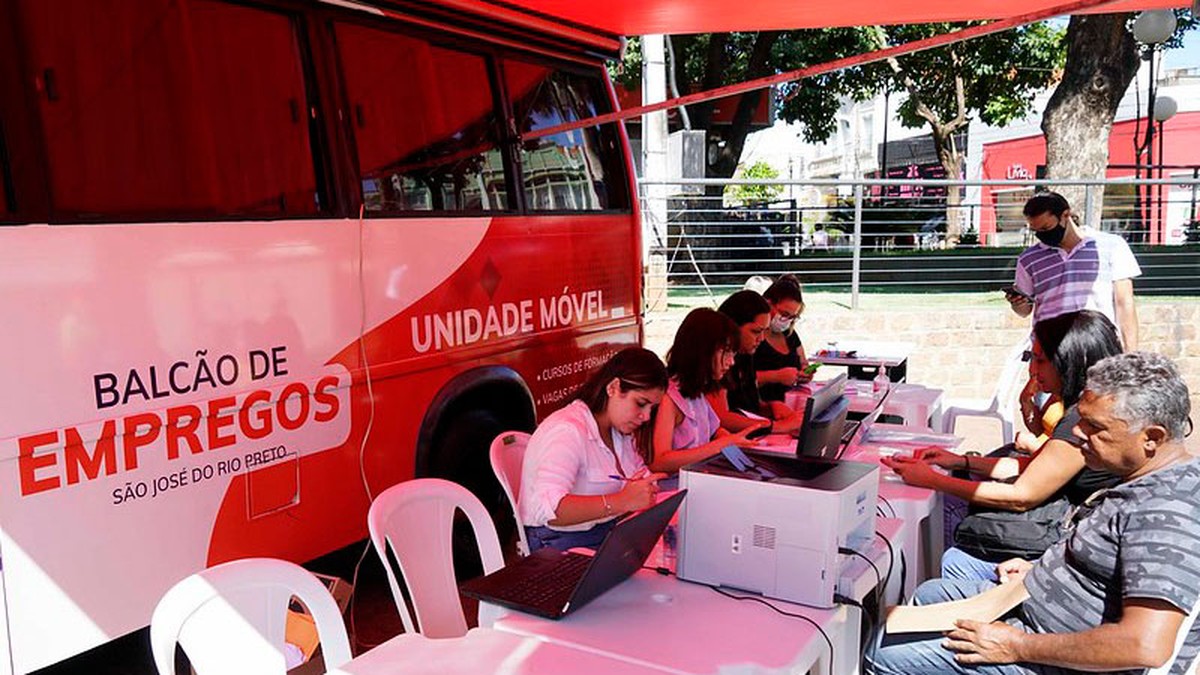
863	431
821	430
550	583
625	549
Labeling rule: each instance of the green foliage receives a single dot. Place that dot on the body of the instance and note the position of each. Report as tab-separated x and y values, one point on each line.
814	101
754	194
628	71
1001	73
891	219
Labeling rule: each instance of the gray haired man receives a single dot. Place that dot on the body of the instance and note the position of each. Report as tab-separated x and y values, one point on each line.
1113	595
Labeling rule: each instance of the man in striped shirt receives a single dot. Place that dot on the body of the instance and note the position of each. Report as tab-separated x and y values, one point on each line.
1122	586
1073	268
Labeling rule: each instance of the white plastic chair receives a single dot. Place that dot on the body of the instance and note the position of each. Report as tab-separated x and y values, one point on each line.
416	520
1001	405
757	283
230	619
508	455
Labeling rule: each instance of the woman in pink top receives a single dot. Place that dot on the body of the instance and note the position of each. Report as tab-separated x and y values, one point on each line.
582	467
687	429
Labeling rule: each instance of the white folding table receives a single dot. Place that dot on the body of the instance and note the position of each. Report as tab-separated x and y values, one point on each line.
482	651
921	508
658	621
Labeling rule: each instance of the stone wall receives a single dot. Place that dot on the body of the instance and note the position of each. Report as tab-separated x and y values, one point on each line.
962	351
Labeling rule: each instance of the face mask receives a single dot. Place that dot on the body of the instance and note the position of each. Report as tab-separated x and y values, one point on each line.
781	325
1052	237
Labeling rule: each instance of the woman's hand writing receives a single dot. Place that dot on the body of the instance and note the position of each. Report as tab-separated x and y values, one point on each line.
638	493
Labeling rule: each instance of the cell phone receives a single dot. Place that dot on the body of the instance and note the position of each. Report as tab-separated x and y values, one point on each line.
811	367
1010	291
759	432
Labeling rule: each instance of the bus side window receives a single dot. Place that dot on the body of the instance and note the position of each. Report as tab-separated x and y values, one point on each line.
580	170
424	124
156	109
6	183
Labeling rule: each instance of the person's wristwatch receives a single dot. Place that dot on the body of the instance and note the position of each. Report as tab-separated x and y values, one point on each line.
967	459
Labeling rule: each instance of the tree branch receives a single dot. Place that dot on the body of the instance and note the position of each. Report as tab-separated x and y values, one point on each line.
739	127
714	69
714	61
960	95
910	86
683	47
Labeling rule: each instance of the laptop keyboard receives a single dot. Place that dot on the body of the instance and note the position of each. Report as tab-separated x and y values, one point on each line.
557	582
849	429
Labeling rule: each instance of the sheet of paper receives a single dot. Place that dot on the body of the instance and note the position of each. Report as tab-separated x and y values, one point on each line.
737	458
897	437
889	451
742	463
987	606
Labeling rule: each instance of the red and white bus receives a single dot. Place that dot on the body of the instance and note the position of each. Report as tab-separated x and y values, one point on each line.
260	260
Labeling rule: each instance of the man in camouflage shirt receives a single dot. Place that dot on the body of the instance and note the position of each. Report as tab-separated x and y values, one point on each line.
1113	595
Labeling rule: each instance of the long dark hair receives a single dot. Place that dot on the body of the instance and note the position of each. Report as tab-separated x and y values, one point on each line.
1074	342
786	287
702	334
633	367
744	306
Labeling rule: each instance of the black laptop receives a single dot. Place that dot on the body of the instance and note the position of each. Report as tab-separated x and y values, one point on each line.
552	583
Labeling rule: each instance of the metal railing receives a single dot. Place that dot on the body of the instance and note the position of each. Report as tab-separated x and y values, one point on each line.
904	235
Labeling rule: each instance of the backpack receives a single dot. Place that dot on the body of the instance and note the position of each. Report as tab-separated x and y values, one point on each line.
996	536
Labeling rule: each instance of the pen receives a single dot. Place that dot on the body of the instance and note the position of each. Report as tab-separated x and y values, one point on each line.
637	476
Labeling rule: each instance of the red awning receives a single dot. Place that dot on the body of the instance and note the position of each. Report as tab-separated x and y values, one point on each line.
641	17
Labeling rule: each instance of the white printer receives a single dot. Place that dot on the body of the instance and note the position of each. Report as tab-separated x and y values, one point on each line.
775	529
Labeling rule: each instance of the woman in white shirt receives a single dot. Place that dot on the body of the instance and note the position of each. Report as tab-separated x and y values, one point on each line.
582	466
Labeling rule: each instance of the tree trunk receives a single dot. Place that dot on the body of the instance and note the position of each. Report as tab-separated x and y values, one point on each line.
735	138
951	161
1102	59
943	143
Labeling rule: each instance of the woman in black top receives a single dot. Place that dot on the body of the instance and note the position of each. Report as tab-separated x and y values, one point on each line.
1064	347
739	393
779	361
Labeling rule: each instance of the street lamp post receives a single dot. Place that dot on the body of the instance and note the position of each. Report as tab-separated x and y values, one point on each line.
1164	109
1151	28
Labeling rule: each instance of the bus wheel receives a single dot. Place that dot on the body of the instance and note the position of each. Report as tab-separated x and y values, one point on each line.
461	455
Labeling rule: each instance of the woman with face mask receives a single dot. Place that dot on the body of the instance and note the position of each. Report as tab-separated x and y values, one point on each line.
780	360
